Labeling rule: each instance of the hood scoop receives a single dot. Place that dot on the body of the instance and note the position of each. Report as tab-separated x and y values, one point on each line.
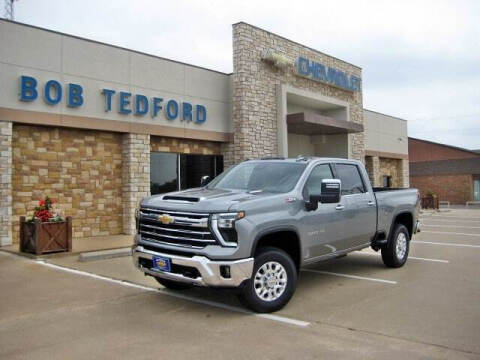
181	198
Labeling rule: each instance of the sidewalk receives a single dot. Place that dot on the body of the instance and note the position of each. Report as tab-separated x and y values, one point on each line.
80	245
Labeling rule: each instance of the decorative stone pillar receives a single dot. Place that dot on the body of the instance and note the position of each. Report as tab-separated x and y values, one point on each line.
404	173
372	163
135	176
5	183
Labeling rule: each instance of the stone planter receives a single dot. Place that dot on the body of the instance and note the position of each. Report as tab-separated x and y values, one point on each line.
45	237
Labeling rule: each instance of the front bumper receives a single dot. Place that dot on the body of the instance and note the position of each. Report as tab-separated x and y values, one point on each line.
209	271
417	228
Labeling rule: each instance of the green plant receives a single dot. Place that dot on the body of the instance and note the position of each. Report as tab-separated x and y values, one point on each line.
44	211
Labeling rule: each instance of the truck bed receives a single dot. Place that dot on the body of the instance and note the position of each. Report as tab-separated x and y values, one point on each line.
391	202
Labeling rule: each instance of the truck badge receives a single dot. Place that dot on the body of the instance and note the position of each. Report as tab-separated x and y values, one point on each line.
166	219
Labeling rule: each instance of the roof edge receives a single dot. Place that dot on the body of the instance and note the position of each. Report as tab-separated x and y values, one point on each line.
377	112
113	46
449	146
296	42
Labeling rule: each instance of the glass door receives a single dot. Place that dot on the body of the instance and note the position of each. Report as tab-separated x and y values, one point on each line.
476	188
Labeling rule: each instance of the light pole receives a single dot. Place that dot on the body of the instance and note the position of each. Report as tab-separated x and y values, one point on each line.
9	9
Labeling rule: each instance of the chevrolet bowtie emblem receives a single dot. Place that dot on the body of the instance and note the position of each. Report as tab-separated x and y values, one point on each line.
166	219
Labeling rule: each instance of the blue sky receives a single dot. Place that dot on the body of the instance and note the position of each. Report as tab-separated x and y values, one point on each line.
419	58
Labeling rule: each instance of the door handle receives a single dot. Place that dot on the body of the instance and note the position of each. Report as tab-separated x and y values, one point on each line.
371	203
339	207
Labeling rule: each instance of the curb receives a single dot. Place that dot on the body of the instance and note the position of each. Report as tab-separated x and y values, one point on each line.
104	254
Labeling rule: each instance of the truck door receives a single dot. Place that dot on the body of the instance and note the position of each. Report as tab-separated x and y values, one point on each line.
360	206
323	227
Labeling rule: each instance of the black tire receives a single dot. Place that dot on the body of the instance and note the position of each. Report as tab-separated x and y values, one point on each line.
249	297
173	285
389	253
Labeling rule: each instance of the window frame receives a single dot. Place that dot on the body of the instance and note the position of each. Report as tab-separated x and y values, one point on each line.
365	188
330	165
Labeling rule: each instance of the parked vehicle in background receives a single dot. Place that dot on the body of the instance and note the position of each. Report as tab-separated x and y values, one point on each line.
253	227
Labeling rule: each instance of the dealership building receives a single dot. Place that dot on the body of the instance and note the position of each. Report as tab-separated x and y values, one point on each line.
99	127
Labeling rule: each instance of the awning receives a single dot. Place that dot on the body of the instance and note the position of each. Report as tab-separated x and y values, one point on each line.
315	124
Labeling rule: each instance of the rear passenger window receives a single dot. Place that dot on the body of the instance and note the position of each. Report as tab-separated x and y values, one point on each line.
350	177
314	182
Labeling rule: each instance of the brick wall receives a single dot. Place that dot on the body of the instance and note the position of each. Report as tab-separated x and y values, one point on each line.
422	150
82	169
5	183
255	97
458	189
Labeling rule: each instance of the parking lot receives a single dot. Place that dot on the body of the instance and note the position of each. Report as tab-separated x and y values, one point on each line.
352	307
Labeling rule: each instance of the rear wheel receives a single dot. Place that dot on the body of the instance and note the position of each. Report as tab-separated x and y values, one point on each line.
395	254
173	285
273	281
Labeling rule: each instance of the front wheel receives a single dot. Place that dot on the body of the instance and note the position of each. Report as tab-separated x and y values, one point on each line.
395	254
273	281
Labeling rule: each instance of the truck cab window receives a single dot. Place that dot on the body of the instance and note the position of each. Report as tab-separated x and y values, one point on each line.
350	177
314	182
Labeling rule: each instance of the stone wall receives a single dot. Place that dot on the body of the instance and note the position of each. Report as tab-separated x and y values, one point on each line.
185	146
136	176
377	167
5	183
254	92
82	169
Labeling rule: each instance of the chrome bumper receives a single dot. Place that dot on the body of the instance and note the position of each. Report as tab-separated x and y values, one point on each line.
209	270
417	227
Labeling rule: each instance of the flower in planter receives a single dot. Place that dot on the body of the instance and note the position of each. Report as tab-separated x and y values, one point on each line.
44	212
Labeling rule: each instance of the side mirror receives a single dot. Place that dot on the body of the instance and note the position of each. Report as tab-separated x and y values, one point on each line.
204	180
330	193
331	189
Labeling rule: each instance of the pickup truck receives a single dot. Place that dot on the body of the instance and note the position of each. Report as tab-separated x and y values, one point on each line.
254	226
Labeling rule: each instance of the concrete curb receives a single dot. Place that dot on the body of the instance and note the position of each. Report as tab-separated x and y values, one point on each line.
104	254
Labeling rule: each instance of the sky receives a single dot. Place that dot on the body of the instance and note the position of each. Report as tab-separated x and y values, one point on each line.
420	59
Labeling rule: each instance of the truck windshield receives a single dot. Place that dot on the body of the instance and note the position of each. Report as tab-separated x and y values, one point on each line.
274	177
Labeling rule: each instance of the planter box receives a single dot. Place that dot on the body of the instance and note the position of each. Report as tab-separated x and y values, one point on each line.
45	237
429	202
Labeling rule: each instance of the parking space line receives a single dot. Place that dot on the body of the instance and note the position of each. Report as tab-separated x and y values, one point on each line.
450	233
409	257
445	244
176	295
451	226
349	276
451	217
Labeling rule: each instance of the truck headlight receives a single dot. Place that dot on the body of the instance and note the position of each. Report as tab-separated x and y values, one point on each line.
227	220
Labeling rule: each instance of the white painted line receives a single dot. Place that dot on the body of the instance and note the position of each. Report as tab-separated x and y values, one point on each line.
449	221
450	233
409	257
178	296
468	218
450	226
349	276
446	244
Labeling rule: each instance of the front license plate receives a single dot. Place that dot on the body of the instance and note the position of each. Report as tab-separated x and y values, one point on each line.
161	263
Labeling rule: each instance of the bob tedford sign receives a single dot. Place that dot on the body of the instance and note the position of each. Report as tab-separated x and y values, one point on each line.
126	103
326	74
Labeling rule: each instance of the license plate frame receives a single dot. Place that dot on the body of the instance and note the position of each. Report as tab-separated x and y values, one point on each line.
161	263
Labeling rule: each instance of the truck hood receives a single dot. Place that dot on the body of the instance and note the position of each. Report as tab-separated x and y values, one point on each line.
201	200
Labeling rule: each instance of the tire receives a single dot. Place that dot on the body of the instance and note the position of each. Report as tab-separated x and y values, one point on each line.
173	285
281	268
395	254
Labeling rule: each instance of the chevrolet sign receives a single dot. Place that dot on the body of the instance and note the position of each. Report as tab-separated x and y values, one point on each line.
166	219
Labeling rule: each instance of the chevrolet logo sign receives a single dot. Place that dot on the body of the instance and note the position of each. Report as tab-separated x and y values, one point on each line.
166	219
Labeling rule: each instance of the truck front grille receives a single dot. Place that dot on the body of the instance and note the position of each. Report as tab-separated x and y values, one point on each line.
175	228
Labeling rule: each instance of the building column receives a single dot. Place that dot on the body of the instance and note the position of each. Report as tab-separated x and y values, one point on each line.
5	183
372	164
404	173
135	176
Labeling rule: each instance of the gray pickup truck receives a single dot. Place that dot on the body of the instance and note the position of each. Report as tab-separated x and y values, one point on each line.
253	227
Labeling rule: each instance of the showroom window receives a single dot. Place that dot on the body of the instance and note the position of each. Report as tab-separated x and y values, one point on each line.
171	172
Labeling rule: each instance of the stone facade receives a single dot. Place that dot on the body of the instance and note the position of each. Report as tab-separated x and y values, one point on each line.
81	169
5	183
184	146
255	92
378	167
135	175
